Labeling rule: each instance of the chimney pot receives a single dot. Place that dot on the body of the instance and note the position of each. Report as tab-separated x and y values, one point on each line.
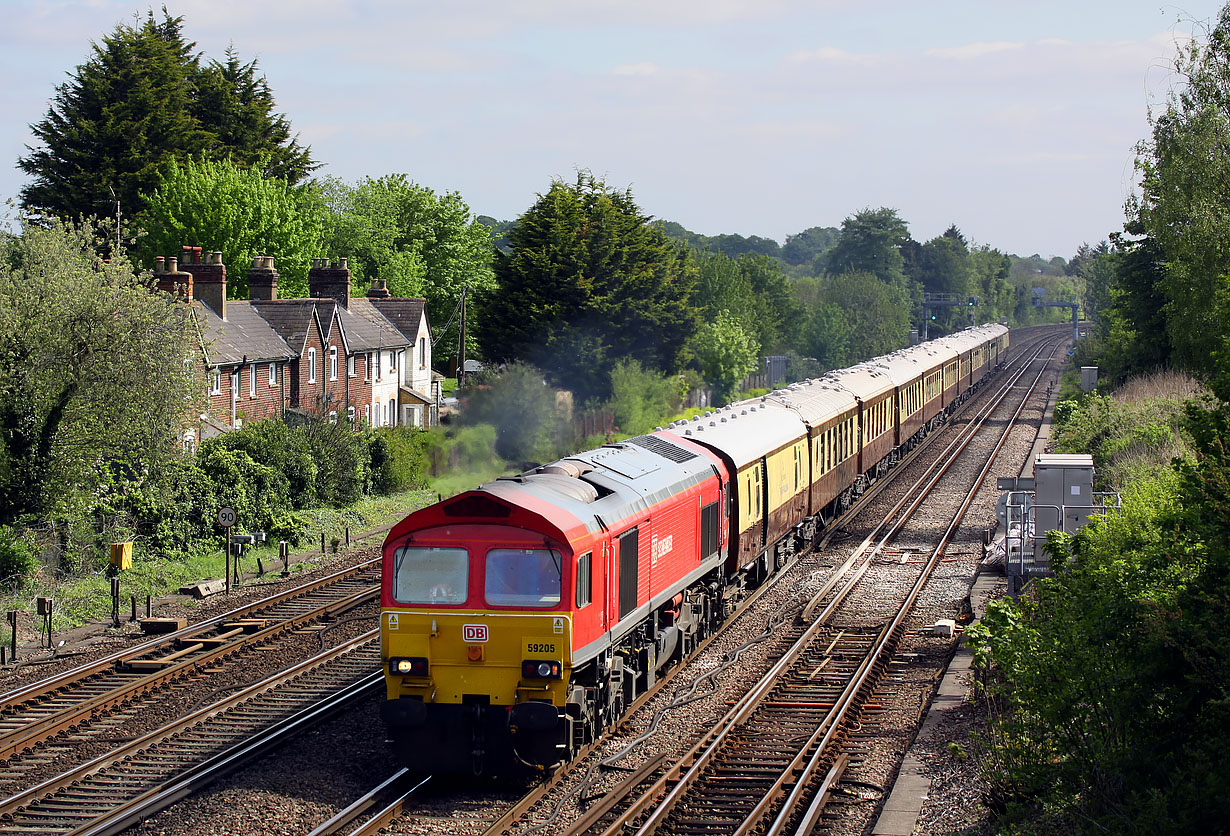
256	261
343	261
160	264
172	265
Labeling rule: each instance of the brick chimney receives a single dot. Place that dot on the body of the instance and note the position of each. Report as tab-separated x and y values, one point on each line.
170	280
262	279
209	275
379	289
330	280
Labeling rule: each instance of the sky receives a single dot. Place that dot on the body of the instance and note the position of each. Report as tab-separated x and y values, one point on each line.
1016	120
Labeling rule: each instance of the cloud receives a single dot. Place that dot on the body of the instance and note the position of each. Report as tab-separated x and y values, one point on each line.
974	51
643	68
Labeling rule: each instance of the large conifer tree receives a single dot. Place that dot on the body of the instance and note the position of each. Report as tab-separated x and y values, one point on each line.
142	98
589	281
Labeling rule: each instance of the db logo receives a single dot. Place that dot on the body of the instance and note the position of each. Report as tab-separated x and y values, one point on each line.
473	633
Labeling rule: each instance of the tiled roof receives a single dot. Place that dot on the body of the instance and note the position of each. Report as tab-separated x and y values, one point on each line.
244	334
404	313
290	318
367	329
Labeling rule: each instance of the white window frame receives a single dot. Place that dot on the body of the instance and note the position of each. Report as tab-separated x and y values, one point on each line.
215	382
392	362
333	362
350	415
333	417
367	414
350	366
375	355
422	352
312	364
235	372
252	381
273	374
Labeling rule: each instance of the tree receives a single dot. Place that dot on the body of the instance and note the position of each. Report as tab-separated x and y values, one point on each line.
1184	202
421	243
870	242
754	290
141	100
806	246
93	367
237	210
589	281
878	314
726	353
522	408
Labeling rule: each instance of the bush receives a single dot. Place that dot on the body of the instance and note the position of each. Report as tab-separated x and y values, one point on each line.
17	558
641	398
343	462
399	459
522	408
275	444
258	493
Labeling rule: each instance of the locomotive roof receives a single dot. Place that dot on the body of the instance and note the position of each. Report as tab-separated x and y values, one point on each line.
816	400
743	431
603	486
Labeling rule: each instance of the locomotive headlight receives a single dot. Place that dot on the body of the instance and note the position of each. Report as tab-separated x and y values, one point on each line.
408	666
540	669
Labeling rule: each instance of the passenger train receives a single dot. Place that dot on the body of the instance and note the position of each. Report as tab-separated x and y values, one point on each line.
521	618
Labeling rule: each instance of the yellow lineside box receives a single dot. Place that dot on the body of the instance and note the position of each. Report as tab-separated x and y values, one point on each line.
121	555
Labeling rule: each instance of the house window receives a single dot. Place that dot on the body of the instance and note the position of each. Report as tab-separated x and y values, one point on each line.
392	361
392	416
215	382
350	415
367	413
252	381
333	416
235	372
422	352
273	374
375	356
350	366
312	365
333	362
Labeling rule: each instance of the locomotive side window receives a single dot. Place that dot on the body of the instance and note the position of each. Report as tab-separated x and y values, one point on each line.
430	575
585	592
709	533
522	578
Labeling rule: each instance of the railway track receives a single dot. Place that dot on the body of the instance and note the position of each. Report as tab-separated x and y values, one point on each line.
135	780
48	721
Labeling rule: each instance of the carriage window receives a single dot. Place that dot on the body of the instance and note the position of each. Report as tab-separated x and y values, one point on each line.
585	592
430	575
523	577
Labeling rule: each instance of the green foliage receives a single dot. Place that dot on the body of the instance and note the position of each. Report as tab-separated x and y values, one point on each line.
258	493
343	462
237	210
17	558
806	246
726	353
877	314
522	408
640	398
420	243
589	280
275	444
1114	675
753	289
399	459
142	99
870	242
92	369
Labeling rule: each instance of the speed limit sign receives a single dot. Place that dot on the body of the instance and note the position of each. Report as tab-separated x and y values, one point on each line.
227	516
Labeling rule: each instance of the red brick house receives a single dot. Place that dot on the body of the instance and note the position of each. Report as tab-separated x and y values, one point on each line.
366	359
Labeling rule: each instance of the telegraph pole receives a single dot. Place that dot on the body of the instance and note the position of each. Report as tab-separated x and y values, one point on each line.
461	341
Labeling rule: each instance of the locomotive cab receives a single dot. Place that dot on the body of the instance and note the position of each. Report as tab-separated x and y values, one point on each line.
475	624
